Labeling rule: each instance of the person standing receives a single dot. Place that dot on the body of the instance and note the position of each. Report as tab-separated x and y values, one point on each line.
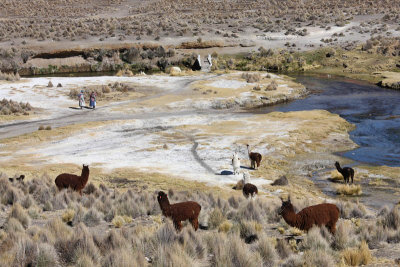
81	98
93	100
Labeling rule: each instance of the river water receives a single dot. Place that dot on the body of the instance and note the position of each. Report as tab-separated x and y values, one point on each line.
375	111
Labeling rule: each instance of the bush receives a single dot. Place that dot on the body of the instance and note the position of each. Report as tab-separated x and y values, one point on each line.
392	219
357	256
215	218
19	213
267	251
8	107
349	190
251	77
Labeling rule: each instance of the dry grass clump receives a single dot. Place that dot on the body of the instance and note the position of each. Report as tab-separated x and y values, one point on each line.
392	219
266	249
19	213
215	218
318	258
9	107
251	77
100	90
68	215
199	44
349	190
357	256
9	76
272	86
335	176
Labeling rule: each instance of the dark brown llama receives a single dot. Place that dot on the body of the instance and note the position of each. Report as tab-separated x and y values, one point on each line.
179	212
254	157
250	190
321	215
347	172
73	181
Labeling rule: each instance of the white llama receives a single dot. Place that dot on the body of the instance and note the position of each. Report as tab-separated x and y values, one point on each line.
235	163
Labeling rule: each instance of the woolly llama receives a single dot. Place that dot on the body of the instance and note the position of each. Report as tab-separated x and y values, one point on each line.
254	157
73	181
236	163
250	190
321	215
179	212
347	172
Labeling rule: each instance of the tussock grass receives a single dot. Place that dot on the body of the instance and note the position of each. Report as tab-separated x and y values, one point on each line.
315	241
349	190
392	219
357	256
266	249
68	215
215	218
19	213
335	176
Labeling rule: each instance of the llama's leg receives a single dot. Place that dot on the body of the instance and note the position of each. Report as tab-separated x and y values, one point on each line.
331	228
195	223
352	176
178	225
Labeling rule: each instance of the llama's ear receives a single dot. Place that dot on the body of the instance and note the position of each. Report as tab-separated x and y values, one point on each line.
289	198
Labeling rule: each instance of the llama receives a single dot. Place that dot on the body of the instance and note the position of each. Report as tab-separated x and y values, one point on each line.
179	212
347	172
73	181
254	157
321	215
236	163
250	190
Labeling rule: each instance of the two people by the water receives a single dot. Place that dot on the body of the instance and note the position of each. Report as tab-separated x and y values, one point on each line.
92	99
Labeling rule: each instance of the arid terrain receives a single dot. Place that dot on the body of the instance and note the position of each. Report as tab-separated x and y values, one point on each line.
160	125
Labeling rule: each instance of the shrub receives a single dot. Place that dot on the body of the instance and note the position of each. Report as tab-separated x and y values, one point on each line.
392	219
272	86
47	256
318	258
92	218
225	226
41	128
283	249
68	215
314	241
251	77
357	256
267	251
215	218
342	235
118	221
13	226
124	257
19	213
48	128
349	190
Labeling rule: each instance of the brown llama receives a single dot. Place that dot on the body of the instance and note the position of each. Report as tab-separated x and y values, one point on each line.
250	190
179	212
321	215
254	157
347	172
73	181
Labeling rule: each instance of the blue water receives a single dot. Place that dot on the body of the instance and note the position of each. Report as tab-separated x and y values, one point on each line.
375	112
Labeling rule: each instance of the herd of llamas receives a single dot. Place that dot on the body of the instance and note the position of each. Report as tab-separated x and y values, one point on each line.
320	215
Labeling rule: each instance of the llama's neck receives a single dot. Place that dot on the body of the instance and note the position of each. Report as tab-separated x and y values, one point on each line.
248	150
165	206
290	216
339	168
84	176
